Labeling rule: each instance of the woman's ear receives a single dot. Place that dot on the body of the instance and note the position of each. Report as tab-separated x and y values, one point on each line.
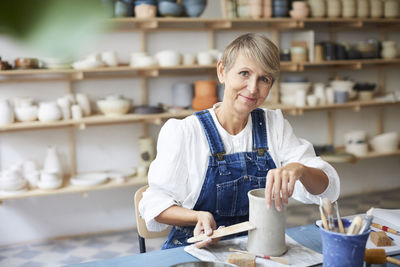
220	72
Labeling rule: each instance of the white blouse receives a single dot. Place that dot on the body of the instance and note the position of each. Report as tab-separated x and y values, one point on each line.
176	175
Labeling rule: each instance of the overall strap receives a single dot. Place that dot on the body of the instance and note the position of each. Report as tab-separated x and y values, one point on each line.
213	137
260	140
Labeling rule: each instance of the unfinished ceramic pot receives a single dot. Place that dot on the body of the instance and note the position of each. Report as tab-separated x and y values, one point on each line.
269	236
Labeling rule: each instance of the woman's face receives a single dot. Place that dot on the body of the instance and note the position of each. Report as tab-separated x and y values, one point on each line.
247	85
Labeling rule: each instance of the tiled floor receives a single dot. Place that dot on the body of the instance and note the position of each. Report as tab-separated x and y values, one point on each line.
82	249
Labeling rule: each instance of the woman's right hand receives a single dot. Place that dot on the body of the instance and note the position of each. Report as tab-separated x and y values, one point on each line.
205	225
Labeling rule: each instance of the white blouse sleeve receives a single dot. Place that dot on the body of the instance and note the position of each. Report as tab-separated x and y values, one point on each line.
293	149
167	175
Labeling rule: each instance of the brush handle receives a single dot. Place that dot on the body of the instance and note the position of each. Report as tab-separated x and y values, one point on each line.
355	226
340	224
385	228
323	219
393	260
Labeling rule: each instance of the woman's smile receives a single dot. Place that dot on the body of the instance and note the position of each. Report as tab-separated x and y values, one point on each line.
248	99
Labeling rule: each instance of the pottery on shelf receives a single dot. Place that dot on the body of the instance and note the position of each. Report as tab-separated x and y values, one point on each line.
6	112
376	8
114	106
84	103
145	10
146	151
169	9
26	113
52	162
391	9
194	8
205	94
385	143
389	49
168	58
65	106
49	111
110	58
182	94
356	143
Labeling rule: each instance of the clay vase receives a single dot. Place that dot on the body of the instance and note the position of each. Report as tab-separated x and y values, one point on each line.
52	162
269	236
205	94
6	112
146	151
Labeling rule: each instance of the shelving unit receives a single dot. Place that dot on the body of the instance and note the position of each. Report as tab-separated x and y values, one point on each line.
272	25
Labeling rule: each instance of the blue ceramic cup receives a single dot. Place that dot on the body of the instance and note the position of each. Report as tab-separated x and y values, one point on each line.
343	250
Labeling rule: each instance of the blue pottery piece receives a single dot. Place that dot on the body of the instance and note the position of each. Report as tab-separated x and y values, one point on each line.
280	11
194	10
145	2
122	9
166	8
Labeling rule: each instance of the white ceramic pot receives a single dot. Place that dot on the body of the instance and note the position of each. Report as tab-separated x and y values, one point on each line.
23	102
312	100
356	143
300	98
49	111
6	112
391	9
114	107
76	112
110	58
84	103
205	58
389	50
11	180
168	58
334	8
269	236
189	59
362	8
52	162
385	143
26	113
65	106
376	8
330	95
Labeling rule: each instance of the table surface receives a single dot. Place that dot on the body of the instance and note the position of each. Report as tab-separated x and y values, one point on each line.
308	236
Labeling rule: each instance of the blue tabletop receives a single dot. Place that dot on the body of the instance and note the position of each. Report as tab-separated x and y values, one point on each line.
308	236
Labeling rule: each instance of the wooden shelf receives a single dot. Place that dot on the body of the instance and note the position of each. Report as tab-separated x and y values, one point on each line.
192	24
157	118
69	188
124	71
343	157
95	120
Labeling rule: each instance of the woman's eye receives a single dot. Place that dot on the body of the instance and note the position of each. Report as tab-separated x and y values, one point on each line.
244	73
266	80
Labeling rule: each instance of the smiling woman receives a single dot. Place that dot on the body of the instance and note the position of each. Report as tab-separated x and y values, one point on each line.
207	162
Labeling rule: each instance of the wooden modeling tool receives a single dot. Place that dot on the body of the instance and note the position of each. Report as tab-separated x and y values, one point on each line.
327	205
229	230
276	259
339	219
355	226
378	256
323	217
385	228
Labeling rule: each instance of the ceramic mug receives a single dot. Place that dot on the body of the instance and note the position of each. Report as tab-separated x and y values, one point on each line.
110	58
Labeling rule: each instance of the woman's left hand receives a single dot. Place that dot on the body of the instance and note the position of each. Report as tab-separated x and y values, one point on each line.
280	183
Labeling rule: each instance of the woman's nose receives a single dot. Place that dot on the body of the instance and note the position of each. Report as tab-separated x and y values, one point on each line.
252	85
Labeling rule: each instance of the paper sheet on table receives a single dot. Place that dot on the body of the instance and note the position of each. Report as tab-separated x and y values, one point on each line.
297	254
386	217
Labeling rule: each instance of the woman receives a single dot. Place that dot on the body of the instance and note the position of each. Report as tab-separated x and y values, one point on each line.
207	162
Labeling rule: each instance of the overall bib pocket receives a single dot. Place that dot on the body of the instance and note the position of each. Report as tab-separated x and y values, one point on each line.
232	197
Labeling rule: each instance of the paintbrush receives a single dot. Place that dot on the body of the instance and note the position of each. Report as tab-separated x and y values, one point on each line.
327	205
367	221
355	226
339	219
385	228
323	217
276	259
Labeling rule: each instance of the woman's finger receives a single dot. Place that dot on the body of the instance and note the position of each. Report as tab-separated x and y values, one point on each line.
292	182
198	229
277	191
203	243
268	188
284	187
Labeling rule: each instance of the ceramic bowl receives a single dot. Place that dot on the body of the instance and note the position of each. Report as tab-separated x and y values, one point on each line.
89	179
48	185
170	9
194	10
148	110
26	113
12	184
168	58
385	143
291	88
114	107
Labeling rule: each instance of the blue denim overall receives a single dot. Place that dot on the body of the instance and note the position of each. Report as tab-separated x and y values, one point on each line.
228	178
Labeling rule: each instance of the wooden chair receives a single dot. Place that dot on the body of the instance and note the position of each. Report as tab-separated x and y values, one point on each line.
141	224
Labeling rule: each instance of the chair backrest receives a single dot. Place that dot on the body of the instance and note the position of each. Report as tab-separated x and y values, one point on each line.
141	224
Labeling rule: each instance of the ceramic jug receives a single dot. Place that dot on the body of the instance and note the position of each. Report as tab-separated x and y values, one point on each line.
52	162
146	151
6	112
49	111
269	236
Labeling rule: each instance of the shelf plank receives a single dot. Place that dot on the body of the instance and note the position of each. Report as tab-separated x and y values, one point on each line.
155	71
69	188
158	117
170	23
342	157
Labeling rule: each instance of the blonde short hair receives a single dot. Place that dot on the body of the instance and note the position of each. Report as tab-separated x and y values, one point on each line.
256	47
